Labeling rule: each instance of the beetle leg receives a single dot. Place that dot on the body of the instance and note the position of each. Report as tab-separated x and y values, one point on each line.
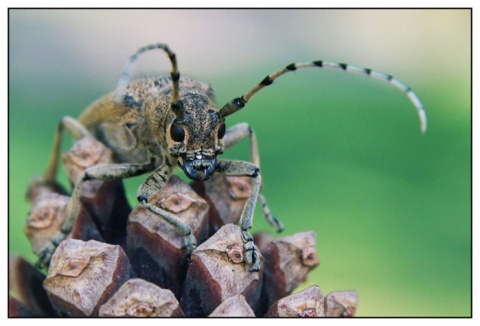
97	172
184	229
77	130
154	182
232	136
272	219
243	168
238	132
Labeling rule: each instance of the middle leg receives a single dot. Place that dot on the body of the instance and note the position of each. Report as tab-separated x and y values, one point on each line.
232	137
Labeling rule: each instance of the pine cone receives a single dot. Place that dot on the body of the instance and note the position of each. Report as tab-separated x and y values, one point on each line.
123	262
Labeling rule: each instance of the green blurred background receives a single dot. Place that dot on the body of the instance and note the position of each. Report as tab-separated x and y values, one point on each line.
341	154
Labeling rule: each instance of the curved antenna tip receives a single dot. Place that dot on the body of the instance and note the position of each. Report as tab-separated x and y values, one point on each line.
423	121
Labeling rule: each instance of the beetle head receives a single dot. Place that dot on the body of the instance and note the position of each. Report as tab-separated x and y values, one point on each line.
196	136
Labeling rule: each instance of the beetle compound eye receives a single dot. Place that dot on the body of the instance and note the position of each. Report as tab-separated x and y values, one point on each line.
177	133
221	131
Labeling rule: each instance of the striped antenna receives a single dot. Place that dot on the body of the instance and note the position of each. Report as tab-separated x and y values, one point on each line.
238	103
127	72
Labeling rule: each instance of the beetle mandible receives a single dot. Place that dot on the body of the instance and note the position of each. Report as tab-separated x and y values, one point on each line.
156	124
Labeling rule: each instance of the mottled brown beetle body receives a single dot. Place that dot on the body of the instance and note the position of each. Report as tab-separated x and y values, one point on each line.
156	124
134	140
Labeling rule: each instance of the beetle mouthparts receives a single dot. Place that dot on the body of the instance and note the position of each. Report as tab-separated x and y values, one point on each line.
200	169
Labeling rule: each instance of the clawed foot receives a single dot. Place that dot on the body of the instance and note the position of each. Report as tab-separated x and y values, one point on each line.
277	224
46	254
251	252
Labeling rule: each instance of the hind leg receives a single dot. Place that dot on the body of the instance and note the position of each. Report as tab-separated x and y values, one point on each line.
77	130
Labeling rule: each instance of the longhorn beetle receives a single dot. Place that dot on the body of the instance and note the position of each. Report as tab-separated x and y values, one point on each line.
156	124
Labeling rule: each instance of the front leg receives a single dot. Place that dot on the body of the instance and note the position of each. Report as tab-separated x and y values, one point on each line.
97	172
153	183
243	168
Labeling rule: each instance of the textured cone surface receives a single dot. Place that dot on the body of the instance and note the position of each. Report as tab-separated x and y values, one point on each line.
83	275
